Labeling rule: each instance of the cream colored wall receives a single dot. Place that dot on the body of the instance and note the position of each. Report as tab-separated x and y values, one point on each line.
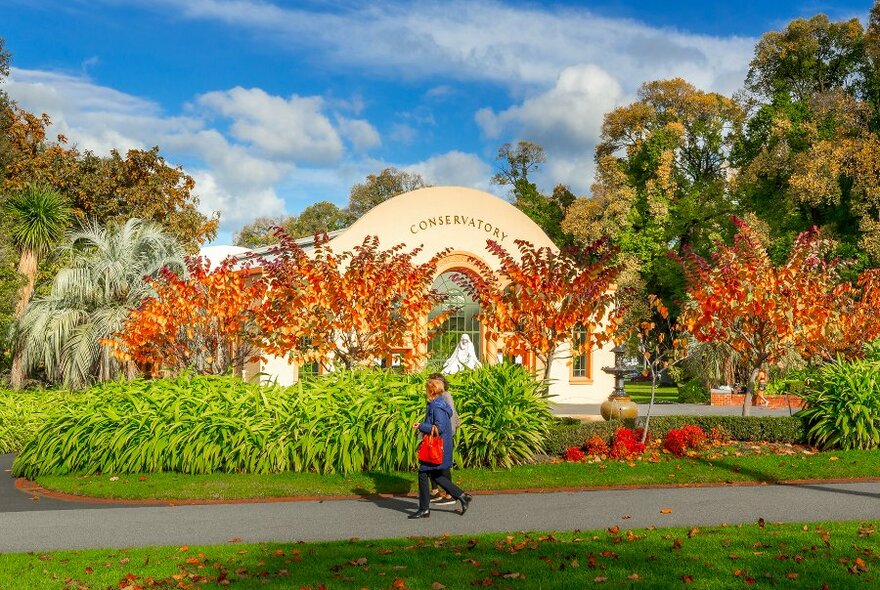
278	370
596	392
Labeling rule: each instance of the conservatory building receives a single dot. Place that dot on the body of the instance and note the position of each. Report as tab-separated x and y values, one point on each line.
457	221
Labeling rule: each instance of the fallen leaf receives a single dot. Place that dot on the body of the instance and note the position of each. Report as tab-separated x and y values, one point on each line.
666	511
437	586
599	579
634	576
687	579
235	540
183	548
761	523
792	576
614	530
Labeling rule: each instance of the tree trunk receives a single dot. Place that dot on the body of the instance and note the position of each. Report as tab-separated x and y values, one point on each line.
548	364
650	404
27	266
747	401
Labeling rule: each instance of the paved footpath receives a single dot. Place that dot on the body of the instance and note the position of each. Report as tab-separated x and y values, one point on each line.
46	524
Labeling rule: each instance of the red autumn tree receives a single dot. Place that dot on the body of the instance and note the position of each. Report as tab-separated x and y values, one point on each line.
661	344
537	300
762	311
205	322
356	307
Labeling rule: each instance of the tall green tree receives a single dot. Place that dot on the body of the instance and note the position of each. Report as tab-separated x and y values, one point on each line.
378	188
39	216
516	162
662	180
64	333
317	218
808	154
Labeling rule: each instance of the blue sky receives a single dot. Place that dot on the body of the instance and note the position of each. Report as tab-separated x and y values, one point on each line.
274	105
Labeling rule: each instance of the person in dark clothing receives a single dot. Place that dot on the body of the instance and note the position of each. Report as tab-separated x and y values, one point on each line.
439	414
438	496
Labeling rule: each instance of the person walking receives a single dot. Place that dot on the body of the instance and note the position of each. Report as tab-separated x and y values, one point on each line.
437	414
438	496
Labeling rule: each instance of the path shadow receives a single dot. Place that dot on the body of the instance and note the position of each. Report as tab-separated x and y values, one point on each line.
823	488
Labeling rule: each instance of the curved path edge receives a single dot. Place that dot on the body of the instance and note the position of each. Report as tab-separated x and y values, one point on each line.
35	490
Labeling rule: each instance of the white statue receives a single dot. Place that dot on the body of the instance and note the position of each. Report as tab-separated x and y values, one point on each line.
463	357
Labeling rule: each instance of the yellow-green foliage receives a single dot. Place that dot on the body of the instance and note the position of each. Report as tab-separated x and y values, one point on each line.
345	422
22	413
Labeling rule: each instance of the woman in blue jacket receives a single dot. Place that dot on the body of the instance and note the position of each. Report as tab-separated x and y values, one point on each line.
438	414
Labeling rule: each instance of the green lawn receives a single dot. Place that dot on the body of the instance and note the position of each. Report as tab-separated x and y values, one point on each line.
839	555
641	393
738	463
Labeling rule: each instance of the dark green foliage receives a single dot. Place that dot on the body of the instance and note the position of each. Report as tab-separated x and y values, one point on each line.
693	392
344	422
843	405
786	429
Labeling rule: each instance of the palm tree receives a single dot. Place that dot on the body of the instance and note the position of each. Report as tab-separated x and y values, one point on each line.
63	333
39	217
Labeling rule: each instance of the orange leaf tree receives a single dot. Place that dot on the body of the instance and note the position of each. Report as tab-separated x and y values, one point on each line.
763	311
356	307
205	322
536	301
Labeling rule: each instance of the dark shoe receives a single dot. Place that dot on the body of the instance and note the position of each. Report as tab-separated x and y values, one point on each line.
442	500
465	500
420	514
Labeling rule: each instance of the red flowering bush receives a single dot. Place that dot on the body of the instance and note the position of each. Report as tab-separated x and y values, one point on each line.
573	454
627	443
596	446
679	440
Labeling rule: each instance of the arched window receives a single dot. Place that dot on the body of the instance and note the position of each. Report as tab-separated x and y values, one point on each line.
462	321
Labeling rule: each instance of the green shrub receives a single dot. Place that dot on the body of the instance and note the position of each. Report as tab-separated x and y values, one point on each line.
505	415
22	413
693	392
346	422
843	405
785	429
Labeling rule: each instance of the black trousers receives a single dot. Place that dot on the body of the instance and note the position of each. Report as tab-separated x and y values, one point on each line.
446	472
441	476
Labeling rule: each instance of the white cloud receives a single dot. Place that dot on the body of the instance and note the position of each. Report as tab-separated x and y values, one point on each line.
568	116
295	127
238	174
360	133
566	121
238	206
484	40
454	168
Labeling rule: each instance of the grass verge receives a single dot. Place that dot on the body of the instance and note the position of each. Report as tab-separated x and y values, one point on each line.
641	393
736	463
832	555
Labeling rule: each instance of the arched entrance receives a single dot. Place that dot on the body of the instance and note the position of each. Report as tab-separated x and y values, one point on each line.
463	320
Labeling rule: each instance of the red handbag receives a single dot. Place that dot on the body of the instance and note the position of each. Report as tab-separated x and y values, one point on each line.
431	449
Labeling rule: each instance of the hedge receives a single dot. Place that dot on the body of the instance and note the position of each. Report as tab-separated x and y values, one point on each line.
568	432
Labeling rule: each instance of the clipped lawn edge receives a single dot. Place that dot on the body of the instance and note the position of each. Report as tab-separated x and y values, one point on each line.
29	487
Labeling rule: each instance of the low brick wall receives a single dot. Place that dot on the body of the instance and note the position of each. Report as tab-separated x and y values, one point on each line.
725	398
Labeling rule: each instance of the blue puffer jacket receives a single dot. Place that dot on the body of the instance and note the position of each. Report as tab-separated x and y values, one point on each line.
440	414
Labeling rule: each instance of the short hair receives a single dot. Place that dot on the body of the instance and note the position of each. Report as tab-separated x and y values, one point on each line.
434	387
441	378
